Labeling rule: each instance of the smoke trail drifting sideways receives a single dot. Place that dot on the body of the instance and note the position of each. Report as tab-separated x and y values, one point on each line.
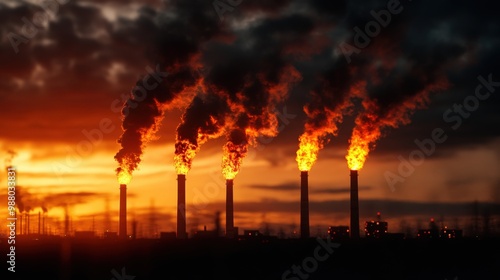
204	119
390	104
329	101
175	37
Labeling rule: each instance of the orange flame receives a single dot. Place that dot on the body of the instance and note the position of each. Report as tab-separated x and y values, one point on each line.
232	159
373	119
124	172
185	153
307	154
124	177
364	136
357	152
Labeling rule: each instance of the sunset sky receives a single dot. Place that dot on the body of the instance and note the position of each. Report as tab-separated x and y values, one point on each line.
63	83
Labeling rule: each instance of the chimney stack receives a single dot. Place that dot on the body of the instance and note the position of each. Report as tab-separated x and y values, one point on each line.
66	221
229	209
304	204
181	206
354	205
123	211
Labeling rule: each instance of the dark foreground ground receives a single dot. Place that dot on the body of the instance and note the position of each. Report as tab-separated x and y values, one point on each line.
240	260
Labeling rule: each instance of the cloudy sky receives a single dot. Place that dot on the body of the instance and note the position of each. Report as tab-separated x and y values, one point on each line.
422	73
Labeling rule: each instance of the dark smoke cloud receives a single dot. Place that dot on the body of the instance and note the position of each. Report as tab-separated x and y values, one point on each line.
254	73
81	44
176	40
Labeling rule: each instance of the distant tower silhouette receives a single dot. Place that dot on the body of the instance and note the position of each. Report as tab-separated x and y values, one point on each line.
21	222
28	227
432	224
107	215
217	224
486	222
476	218
134	229
152	220
66	220
39	223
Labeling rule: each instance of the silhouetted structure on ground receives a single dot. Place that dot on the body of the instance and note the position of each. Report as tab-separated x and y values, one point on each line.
338	233
376	229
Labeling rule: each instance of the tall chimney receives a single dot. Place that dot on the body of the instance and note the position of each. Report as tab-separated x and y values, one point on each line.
229	209
21	222
304	204
123	211
354	205
39	223
181	206
66	221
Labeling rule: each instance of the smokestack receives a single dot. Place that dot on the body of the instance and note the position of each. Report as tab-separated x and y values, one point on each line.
181	206
304	204
21	223
66	221
229	208
354	205
123	212
39	223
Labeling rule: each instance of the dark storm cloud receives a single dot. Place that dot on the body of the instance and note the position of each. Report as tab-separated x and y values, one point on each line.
175	42
427	41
